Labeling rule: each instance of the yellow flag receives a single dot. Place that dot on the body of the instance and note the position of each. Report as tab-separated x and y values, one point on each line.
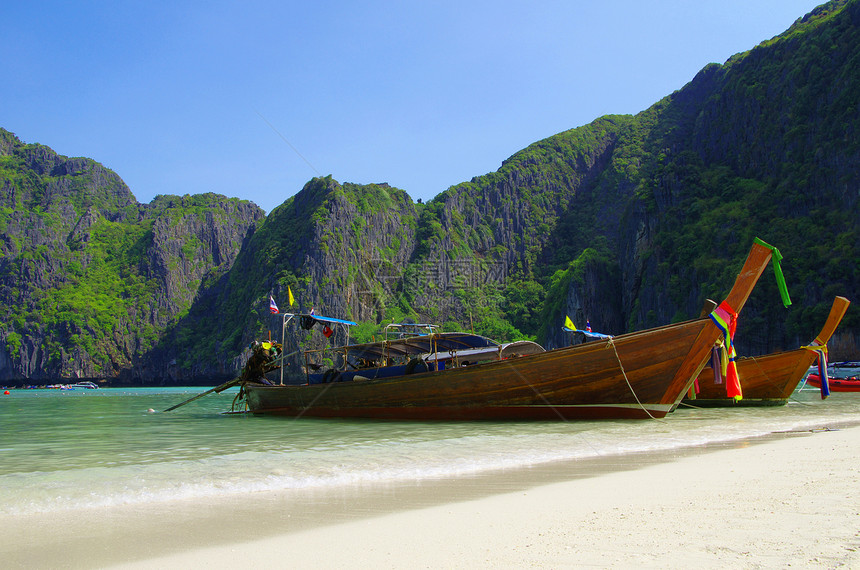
569	323
290	296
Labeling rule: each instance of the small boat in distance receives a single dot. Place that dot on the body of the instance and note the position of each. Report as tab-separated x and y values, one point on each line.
841	377
85	385
767	380
635	375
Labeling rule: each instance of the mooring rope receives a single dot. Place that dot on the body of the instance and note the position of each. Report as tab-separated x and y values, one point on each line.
551	406
763	373
610	342
240	398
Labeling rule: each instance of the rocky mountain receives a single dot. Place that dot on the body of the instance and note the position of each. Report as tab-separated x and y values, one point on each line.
628	222
331	245
89	278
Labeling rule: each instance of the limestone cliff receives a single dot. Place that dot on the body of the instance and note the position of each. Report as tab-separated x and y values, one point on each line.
89	278
339	248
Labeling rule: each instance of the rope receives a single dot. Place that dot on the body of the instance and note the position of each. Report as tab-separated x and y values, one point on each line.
816	347
558	413
623	373
762	372
239	399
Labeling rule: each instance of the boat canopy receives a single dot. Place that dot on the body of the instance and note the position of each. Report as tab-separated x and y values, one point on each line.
320	318
587	334
418	345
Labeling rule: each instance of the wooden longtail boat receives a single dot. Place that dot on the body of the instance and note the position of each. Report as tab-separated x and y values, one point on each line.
635	375
768	380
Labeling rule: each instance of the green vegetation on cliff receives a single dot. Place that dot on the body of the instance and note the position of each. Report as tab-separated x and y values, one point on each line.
89	278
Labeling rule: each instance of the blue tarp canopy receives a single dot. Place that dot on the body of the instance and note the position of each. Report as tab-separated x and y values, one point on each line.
416	345
591	335
321	319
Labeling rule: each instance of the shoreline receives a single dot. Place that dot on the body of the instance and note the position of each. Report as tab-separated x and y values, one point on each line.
760	501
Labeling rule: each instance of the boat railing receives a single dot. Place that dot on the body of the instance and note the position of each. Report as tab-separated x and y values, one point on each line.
395	331
308	321
434	360
328	357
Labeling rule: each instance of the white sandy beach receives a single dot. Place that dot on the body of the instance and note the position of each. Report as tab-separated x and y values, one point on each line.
789	500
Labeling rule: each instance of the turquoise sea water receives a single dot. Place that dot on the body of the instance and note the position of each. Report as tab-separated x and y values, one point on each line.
63	450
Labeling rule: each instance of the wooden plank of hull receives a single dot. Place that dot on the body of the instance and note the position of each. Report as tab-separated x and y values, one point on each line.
768	380
483	413
635	375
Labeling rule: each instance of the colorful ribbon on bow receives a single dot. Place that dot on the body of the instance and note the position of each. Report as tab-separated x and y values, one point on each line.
820	349
776	257
726	320
716	364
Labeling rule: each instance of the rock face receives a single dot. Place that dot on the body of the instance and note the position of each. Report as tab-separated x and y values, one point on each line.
89	278
339	249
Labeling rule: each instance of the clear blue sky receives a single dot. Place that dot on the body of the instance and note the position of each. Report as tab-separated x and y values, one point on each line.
178	97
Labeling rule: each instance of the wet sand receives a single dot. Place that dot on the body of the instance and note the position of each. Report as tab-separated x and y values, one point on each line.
787	499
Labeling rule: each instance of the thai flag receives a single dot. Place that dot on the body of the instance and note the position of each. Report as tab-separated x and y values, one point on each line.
272	306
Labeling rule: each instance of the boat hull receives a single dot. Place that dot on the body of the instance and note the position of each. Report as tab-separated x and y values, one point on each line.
637	375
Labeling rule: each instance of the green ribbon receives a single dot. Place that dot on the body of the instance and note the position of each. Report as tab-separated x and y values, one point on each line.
777	271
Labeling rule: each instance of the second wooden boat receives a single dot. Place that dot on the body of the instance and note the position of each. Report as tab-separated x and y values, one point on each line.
768	380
